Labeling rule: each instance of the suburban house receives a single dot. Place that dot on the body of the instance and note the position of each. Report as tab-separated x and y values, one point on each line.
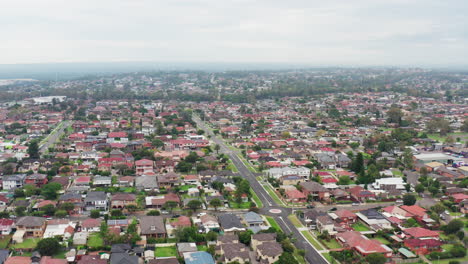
122	200
96	201
198	257
143	166
364	246
30	226
230	223
269	252
317	191
152	226
253	221
375	220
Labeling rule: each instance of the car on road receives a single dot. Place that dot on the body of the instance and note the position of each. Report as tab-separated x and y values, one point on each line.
310	206
164	212
333	209
356	204
201	214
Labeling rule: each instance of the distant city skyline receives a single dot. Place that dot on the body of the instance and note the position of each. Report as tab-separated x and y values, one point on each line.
425	33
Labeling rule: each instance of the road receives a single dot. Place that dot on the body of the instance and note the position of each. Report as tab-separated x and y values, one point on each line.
312	255
53	137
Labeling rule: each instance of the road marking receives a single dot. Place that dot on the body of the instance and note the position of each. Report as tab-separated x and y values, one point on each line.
285	224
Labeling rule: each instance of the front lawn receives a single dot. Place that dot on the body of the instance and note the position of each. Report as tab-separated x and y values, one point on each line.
60	255
360	227
255	198
235	205
162	252
332	244
185	188
311	239
27	243
295	221
4	241
95	240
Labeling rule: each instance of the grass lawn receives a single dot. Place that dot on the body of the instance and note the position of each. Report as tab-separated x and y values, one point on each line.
455	214
461	135
129	189
4	241
447	261
328	257
446	247
312	240
295	221
360	227
272	193
166	252
397	173
273	223
95	240
60	255
332	244
186	187
255	198
235	205
382	240
27	243
202	248
299	258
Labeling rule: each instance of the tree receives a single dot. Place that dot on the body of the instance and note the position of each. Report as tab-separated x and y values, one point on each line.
358	163
67	207
95	213
464	127
408	158
48	209
33	149
153	213
409	199
170	205
438	208
245	237
394	115
453	226
216	203
30	190
376	258
217	147
48	246
287	258
211	236
344	180
49	191
116	213
419	188
458	251
61	213
194	205
20	210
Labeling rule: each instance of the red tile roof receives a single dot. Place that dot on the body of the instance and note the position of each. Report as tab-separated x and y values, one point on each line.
418	232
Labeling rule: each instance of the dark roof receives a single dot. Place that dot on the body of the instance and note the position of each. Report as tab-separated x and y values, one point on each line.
152	225
95	196
123	258
120	248
30	221
164	261
372	214
228	221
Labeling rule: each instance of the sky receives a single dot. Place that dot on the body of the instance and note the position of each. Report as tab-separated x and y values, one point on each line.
331	33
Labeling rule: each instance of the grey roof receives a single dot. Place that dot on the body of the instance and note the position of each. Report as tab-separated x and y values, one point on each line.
120	248
270	249
252	217
95	196
123	258
69	196
30	221
3	255
186	247
146	182
228	221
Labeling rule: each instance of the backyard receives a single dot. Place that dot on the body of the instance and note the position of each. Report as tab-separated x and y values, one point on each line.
27	243
4	240
360	227
162	252
95	240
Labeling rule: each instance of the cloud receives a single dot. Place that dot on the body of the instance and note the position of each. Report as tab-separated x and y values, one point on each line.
360	32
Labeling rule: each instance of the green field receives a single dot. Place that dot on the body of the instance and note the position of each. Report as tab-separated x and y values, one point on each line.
383	240
312	240
255	198
360	227
332	244
463	136
202	248
4	240
95	240
235	205
273	223
295	221
166	252
27	243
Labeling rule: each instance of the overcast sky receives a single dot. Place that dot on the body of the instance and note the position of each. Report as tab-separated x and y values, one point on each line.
324	32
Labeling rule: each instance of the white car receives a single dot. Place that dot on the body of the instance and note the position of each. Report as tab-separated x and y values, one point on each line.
201	214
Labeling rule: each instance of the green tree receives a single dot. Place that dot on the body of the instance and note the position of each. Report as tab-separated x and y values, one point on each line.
67	207
344	180
216	203
211	236
48	209
33	149
287	258
95	213
170	205
245	237
438	208
60	213
419	188
409	199
394	115
194	205
48	246
50	190
153	213
217	147
453	226
408	158
376	258
358	163
20	210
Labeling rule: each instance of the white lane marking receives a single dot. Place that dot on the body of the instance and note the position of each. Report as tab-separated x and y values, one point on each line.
280	217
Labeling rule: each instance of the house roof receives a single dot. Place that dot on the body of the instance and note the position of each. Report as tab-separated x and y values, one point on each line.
30	221
252	217
313	187
418	232
414	210
199	257
228	221
152	225
91	222
18	260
